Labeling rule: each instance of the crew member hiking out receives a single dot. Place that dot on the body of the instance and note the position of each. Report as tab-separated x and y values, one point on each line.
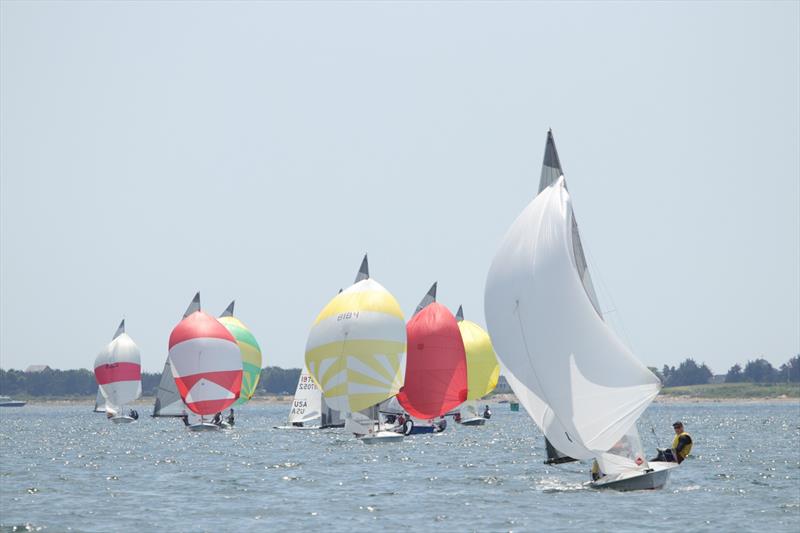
681	446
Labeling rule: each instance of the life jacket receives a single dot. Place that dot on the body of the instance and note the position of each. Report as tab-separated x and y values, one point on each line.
681	455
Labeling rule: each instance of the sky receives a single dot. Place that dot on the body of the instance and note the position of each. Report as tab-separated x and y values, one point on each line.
255	151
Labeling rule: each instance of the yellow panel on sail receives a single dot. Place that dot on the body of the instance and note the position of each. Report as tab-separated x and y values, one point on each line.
482	367
356	349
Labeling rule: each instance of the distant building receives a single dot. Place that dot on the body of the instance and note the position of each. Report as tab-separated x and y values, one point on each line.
33	369
502	386
717	378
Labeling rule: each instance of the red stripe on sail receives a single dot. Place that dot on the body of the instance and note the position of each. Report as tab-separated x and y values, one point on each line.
436	365
113	372
199	324
227	379
210	407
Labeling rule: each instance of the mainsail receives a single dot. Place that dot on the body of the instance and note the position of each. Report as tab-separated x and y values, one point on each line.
206	362
168	400
356	349
482	368
99	402
307	403
118	371
436	368
579	383
251	353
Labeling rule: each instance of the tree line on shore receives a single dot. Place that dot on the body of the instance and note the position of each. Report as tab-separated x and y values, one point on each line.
81	382
276	380
755	371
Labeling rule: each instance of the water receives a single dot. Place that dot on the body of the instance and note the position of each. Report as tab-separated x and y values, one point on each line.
65	468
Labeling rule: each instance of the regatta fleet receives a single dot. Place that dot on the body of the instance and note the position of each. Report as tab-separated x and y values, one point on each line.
383	379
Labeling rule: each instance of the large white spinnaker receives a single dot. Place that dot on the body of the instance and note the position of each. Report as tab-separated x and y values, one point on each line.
578	382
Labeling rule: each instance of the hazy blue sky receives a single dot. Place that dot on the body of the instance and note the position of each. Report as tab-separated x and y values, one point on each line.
256	150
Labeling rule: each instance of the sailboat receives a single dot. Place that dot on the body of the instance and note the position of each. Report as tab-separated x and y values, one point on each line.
99	402
483	370
581	385
356	352
168	400
251	353
309	408
206	363
118	371
436	366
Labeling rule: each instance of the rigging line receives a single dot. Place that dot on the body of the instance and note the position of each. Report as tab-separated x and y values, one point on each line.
614	308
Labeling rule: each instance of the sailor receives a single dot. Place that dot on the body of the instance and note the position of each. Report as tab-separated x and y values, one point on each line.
457	417
134	414
596	473
217	420
229	419
487	413
682	443
185	419
441	425
681	446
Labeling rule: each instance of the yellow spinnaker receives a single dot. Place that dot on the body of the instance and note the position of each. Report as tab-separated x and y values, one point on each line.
482	367
356	349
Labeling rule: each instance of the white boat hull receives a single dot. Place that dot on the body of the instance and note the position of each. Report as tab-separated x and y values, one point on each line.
297	427
382	437
122	419
653	478
204	426
475	421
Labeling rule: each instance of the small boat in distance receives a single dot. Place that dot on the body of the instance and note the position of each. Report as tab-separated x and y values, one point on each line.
6	401
309	408
483	370
118	371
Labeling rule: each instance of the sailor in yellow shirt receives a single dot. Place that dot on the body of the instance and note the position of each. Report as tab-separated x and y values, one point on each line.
681	446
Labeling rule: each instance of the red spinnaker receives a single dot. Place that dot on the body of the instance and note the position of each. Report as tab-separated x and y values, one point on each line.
436	366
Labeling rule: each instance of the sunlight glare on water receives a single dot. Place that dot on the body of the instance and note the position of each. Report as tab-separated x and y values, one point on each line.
64	467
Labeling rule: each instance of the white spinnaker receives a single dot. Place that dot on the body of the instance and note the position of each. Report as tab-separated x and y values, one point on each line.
578	382
307	404
119	393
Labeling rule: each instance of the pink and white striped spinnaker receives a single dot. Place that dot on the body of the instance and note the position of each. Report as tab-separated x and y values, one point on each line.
118	371
206	362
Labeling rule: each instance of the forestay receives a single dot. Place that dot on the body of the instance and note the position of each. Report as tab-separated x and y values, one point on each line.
118	371
580	384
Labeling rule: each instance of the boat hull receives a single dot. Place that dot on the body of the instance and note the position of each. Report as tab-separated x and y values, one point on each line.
204	426
300	428
13	403
654	478
476	421
122	419
382	437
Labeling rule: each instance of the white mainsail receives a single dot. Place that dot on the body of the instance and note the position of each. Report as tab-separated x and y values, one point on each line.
580	384
168	400
307	403
99	402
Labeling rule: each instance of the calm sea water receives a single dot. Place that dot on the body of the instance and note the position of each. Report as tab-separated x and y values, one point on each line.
65	468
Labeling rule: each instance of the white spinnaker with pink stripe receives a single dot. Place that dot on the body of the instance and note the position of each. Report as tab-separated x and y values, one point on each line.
118	371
